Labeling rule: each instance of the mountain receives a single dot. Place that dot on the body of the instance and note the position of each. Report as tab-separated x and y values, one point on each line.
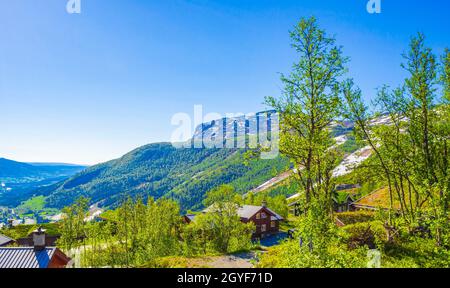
183	174
18	172
161	170
18	180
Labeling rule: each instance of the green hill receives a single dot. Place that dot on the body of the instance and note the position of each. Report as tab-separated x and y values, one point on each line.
19	180
160	170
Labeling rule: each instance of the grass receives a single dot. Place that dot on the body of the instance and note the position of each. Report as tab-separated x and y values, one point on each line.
34	204
22	231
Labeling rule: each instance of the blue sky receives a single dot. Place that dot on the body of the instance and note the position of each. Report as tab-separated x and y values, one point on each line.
90	87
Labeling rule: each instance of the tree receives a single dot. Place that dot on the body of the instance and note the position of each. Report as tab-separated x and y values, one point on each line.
221	223
308	106
73	223
146	232
412	149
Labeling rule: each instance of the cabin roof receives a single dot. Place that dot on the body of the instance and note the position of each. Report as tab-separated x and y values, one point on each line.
378	199
4	240
26	257
248	211
190	217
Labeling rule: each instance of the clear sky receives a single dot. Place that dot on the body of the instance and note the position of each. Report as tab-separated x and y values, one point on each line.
86	88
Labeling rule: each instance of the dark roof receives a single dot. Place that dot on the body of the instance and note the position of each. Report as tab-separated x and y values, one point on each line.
26	257
248	211
5	240
190	217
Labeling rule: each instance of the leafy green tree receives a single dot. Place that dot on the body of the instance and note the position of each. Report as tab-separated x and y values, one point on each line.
222	223
73	223
445	75
146	232
308	106
412	149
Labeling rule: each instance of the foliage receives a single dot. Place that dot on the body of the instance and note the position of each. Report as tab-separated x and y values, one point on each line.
23	231
220	228
335	255
412	149
310	103
160	170
415	252
355	217
137	234
370	234
73	224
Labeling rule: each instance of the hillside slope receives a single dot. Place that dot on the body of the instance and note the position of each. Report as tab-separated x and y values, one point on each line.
185	175
160	170
17	172
19	180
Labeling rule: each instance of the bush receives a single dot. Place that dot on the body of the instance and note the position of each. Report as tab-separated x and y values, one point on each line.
290	255
355	217
370	234
415	252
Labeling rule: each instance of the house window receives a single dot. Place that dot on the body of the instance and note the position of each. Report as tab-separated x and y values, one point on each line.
258	216
263	228
273	224
263	215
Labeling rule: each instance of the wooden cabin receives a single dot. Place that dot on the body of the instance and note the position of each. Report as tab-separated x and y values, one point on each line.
266	221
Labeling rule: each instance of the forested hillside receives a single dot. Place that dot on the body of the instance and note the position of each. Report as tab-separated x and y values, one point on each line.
16	172
19	180
160	170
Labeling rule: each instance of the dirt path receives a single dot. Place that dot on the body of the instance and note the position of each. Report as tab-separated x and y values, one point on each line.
243	260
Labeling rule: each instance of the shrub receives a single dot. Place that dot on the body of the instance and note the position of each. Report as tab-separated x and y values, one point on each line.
290	255
370	234
355	217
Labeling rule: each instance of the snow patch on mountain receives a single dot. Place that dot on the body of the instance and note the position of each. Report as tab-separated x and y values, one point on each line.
352	161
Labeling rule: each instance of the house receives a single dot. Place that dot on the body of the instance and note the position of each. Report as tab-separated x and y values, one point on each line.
295	208
266	221
37	256
5	241
50	240
343	205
